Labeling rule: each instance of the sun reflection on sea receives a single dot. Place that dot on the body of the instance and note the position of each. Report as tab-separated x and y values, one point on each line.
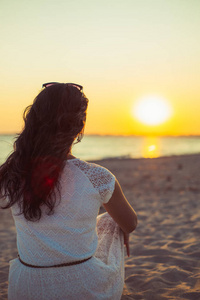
151	147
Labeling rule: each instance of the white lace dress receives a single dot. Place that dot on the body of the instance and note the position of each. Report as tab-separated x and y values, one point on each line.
74	232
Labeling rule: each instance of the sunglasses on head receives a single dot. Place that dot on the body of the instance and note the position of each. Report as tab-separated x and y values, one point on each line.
79	87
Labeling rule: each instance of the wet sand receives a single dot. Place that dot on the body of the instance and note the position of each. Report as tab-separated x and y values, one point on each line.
164	260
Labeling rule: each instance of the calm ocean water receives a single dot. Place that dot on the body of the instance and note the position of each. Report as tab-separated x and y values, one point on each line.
98	147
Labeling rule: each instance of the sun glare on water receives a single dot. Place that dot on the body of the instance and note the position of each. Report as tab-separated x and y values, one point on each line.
152	110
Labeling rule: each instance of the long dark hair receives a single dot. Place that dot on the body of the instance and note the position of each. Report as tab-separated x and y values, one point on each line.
30	175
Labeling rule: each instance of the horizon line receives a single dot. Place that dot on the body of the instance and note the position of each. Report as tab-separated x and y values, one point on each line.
123	135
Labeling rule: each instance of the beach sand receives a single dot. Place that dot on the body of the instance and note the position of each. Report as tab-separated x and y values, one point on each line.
164	260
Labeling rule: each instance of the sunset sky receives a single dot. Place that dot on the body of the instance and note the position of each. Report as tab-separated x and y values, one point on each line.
120	51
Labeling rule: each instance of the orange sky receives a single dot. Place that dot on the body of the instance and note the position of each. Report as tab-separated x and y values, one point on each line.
119	51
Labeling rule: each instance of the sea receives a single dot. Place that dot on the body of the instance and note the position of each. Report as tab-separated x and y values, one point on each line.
96	147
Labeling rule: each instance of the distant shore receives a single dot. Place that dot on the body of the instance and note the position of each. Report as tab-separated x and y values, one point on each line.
165	248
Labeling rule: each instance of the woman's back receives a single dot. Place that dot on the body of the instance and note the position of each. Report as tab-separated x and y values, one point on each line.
69	233
73	232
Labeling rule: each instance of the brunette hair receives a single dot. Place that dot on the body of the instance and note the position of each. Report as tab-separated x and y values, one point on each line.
30	175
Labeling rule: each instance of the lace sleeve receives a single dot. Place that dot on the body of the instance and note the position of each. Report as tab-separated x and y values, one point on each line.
101	178
106	185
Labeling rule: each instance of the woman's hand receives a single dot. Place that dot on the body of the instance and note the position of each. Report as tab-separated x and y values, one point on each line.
126	243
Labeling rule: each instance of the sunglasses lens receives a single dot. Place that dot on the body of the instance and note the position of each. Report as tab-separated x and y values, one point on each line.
48	84
79	87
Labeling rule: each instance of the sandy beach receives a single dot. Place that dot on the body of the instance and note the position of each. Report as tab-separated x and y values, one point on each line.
164	260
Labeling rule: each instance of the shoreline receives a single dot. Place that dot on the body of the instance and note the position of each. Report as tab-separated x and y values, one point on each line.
164	260
126	157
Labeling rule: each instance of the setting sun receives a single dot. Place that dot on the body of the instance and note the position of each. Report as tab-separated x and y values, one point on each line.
152	110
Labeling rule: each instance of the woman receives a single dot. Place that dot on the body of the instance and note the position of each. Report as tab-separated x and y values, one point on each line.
66	251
